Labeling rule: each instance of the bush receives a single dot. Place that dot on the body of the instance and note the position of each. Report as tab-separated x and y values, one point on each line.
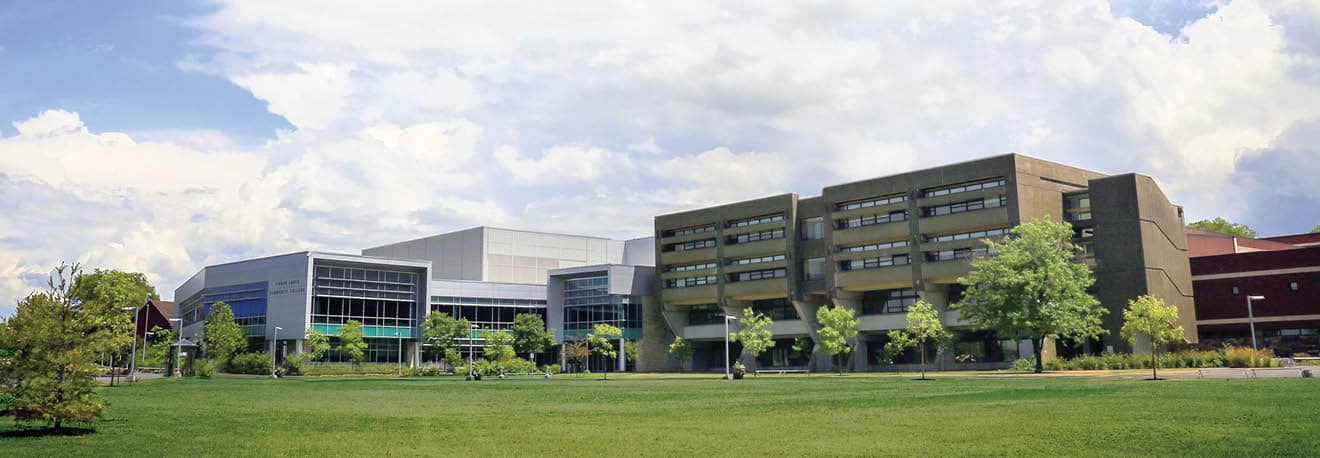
519	366
205	368
349	369
293	364
1024	365
551	368
250	363
429	371
1246	357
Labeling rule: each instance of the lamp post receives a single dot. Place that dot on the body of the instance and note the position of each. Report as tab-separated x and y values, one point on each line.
145	334
273	349
1251	320
396	337
167	353
132	354
470	339
727	318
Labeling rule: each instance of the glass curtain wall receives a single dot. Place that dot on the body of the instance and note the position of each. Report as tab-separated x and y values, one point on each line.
384	301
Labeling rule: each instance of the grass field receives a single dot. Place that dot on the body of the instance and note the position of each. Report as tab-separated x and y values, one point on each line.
819	415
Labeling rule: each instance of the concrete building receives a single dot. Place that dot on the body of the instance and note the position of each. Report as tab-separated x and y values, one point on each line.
877	246
1285	270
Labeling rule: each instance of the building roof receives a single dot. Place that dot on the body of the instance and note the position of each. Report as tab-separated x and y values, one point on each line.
1207	243
1311	239
166	308
1256	261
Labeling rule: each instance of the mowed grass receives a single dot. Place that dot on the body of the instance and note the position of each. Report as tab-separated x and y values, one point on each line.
819	415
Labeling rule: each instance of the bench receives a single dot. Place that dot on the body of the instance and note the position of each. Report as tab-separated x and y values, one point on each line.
1302	371
1201	373
780	371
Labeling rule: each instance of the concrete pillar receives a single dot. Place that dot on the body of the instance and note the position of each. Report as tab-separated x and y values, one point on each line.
623	358
938	295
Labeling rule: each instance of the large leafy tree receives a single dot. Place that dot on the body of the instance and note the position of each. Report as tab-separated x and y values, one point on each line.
317	344
499	346
224	337
577	352
1224	226
50	377
101	297
755	333
923	328
352	344
600	338
1033	287
1150	316
443	333
530	335
837	326
681	350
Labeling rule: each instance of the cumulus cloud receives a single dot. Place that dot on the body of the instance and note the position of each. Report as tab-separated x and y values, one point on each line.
427	117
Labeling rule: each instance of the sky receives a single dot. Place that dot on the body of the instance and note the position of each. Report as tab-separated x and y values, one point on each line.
162	136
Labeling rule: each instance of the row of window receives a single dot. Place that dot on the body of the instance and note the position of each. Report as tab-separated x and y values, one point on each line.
1292	286
960	253
621	315
394	296
874	246
869	220
756	220
868	203
705	314
488	316
689	231
689	246
486	301
349	273
965	206
757	260
967	235
965	187
691	267
758	275
688	282
872	263
756	236
586	283
361	308
888	301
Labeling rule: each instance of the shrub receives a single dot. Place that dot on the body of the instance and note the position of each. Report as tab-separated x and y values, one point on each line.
551	368
293	364
1055	364
250	363
486	367
518	366
205	368
1024	365
349	369
1246	357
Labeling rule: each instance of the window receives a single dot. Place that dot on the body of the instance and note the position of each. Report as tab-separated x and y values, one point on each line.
1077	207
872	263
776	309
870	202
756	236
756	220
1235	291
757	260
888	301
965	187
813	228
874	246
758	275
813	269
960	253
688	231
705	314
1293	286
690	281
965	206
966	235
869	220
690	267
689	246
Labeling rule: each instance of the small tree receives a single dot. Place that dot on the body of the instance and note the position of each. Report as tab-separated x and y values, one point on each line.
317	344
681	350
352	344
577	352
1150	316
1033	287
101	296
223	336
837	325
923	327
755	334
499	347
530	335
600	342
630	350
50	376
443	332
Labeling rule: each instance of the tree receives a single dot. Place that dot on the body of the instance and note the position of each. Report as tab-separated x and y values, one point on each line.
102	295
223	336
755	334
443	332
530	335
352	344
1150	316
630	350
599	339
1032	287
499	346
923	327
1316	229
50	377
1225	227
577	352
681	350
317	344
837	325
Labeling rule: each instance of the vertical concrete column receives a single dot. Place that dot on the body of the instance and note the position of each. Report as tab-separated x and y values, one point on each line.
853	301
938	296
735	309
623	357
807	311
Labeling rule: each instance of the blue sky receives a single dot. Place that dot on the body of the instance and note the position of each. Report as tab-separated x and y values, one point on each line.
163	136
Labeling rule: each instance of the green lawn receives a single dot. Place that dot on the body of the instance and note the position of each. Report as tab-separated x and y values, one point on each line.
819	415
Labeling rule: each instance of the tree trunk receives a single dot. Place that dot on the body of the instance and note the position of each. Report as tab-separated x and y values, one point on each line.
1036	344
923	360
1154	362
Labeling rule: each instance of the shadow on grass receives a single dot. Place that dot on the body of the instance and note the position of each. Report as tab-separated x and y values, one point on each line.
43	432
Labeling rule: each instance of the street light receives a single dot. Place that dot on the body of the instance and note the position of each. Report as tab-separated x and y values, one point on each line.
176	357
273	349
132	354
1251	320
726	345
470	339
145	334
